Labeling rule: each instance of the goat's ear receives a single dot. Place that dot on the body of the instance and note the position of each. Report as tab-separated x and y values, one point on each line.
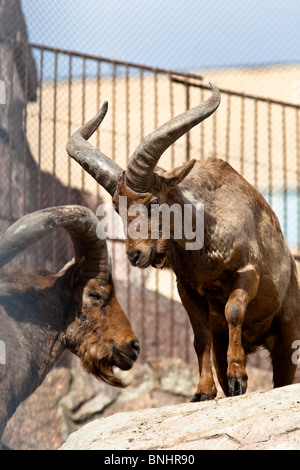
72	272
174	177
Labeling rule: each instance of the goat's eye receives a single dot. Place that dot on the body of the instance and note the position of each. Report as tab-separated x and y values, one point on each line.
154	201
95	295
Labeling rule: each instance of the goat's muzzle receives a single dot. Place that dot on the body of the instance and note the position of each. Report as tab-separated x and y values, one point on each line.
147	258
125	356
133	256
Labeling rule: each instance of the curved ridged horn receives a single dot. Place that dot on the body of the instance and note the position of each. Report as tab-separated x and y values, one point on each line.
105	171
139	173
80	223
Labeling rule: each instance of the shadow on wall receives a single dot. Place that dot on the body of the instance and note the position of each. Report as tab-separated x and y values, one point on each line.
24	187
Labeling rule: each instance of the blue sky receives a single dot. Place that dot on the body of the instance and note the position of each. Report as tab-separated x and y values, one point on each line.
175	34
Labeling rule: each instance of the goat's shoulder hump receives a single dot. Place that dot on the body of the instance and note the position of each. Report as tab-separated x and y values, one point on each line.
18	279
212	174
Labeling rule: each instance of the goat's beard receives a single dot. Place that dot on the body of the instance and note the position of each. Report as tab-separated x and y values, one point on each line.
97	360
159	261
159	254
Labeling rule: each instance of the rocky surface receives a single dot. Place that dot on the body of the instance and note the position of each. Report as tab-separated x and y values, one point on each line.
266	420
70	398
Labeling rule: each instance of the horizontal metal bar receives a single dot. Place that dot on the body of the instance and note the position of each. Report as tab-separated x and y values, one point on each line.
115	61
236	93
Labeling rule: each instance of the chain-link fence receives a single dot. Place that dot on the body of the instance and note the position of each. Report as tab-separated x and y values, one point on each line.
50	92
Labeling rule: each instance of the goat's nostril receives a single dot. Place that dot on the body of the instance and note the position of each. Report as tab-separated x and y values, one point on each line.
133	256
135	345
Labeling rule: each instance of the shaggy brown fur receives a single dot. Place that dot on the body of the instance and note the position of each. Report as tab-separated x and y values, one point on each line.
42	314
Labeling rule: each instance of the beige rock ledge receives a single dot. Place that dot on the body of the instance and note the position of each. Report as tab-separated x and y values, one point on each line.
260	420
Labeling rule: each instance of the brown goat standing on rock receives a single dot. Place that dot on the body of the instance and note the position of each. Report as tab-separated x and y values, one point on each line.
42	314
240	289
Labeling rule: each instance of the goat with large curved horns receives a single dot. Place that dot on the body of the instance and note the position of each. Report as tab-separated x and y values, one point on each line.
240	287
42	314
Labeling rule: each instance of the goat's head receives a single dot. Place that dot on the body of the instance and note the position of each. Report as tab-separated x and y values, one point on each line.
100	334
142	183
95	327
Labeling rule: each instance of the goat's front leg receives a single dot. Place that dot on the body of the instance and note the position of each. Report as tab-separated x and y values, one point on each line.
244	290
197	309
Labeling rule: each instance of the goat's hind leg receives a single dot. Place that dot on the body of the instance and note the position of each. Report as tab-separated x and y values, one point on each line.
220	346
197	309
284	338
285	351
244	290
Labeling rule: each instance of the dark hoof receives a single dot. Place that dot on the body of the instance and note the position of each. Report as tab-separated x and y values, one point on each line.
202	397
237	386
